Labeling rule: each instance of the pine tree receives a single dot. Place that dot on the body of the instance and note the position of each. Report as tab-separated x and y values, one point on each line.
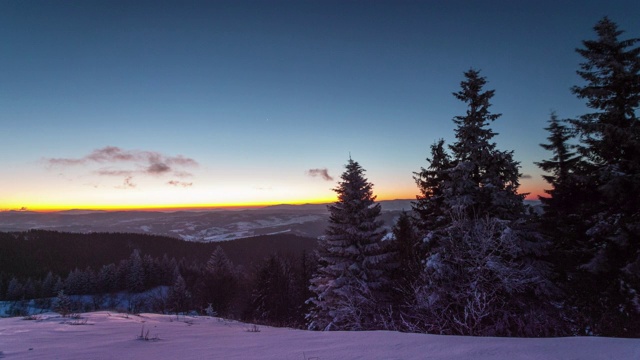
430	202
15	290
75	282
179	297
406	243
221	282
480	271
612	74
560	170
107	278
273	293
351	272
609	247
48	285
135	273
560	221
485	180
63	304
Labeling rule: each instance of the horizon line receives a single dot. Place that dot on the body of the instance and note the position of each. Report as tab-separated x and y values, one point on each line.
177	208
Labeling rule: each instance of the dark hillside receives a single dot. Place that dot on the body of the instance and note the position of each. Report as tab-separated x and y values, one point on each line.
34	253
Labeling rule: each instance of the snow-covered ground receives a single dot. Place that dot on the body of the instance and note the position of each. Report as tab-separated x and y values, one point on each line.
105	335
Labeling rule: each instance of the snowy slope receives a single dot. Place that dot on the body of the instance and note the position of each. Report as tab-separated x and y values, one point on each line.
113	336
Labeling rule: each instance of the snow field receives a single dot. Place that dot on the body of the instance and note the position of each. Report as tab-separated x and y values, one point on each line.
104	335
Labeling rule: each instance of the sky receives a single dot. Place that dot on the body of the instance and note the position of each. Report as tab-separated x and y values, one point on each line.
136	104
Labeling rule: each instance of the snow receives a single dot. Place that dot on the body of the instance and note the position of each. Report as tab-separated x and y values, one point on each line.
105	335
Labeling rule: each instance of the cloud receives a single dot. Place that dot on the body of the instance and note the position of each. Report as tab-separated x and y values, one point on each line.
526	176
115	161
158	168
110	154
108	172
180	183
182	174
324	173
127	183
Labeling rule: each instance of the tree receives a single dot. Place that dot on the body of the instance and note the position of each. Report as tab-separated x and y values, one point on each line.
484	180
406	243
608	249
612	74
221	282
560	170
430	202
48	285
351	270
135	273
15	290
179	297
407	247
480	261
476	179
63	304
273	293
107	278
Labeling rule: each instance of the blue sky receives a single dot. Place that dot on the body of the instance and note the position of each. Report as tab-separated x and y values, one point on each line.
257	93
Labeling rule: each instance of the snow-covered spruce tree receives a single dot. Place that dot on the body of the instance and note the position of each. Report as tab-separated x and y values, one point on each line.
481	273
48	285
221	282
610	143
484	180
15	290
63	304
179	297
350	280
135	273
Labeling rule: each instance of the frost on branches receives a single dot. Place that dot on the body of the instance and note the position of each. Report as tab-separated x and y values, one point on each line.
477	282
351	275
481	275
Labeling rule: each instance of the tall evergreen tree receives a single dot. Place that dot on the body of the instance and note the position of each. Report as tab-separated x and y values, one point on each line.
179	297
273	298
560	170
135	273
350	275
612	74
221	282
485	179
610	143
430	205
408	253
480	272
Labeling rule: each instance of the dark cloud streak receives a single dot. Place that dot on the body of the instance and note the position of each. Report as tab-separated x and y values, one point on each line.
180	183
324	173
127	163
127	183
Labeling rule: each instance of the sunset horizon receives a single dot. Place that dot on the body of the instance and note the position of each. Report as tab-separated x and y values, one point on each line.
420	175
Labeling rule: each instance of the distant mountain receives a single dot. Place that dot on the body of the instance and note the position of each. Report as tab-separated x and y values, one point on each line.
308	220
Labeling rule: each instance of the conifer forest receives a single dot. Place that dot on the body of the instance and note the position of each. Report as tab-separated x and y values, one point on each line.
469	258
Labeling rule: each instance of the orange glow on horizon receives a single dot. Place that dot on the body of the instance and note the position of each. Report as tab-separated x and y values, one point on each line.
54	207
159	207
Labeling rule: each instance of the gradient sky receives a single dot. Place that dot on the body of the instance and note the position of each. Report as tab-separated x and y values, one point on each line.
108	104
